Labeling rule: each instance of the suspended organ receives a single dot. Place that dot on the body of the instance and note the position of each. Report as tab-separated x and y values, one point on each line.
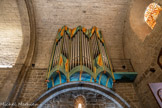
80	54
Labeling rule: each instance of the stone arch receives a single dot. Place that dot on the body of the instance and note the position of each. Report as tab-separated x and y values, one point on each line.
108	93
25	24
26	56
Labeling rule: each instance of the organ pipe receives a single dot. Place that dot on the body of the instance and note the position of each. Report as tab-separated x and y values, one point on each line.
80	50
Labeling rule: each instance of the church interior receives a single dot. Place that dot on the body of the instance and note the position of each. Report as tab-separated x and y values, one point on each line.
80	53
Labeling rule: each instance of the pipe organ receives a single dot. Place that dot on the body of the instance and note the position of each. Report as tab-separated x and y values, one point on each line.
79	54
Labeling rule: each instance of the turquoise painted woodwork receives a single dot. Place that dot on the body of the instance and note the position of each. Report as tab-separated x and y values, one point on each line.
122	76
80	54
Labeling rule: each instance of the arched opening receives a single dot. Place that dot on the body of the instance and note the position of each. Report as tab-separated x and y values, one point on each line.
80	102
80	94
151	14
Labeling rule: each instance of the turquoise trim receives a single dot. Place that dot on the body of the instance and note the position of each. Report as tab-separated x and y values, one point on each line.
55	69
128	76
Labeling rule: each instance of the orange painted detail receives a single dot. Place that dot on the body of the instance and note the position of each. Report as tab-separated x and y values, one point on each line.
73	31
56	40
98	35
151	14
102	40
62	32
68	80
95	80
93	29
84	29
65	27
80	75
67	65
61	61
100	63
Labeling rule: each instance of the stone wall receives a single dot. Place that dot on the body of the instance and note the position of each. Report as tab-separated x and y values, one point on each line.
107	15
3	76
34	85
143	53
128	93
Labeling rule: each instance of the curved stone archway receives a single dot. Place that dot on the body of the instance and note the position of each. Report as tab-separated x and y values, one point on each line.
15	80
80	87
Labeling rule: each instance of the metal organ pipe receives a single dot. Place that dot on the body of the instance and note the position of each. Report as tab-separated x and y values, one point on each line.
86	51
104	54
96	50
57	54
95	44
70	50
54	60
65	47
82	51
89	57
84	48
73	52
91	54
78	50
